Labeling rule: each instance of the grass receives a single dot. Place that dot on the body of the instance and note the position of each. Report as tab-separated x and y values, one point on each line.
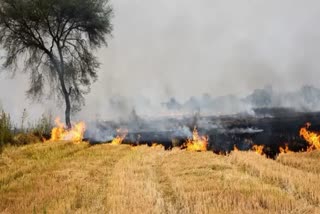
62	177
33	133
6	135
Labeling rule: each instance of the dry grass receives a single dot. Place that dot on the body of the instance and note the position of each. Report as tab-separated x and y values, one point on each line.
77	178
308	162
56	177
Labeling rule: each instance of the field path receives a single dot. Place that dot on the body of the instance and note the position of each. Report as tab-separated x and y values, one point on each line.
136	187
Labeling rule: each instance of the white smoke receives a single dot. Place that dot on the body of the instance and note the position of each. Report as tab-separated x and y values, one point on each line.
184	48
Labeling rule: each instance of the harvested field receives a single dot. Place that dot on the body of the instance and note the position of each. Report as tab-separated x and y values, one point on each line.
62	177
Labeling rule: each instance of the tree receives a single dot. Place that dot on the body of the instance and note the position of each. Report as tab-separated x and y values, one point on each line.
54	41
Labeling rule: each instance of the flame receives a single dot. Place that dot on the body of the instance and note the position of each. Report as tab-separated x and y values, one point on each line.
120	137
313	138
285	149
235	148
197	142
75	134
258	149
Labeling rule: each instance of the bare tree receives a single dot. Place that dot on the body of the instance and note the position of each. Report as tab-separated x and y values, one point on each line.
55	40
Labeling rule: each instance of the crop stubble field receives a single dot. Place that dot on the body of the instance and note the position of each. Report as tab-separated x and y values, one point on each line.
63	177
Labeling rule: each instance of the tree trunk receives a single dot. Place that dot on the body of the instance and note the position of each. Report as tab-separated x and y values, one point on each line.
59	66
66	93
68	110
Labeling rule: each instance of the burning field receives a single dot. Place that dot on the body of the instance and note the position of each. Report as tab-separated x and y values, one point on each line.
274	132
166	107
164	172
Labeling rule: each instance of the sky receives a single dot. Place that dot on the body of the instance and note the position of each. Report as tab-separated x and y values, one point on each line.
183	48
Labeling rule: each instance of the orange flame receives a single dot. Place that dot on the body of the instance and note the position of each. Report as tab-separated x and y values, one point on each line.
258	149
121	136
197	142
313	138
75	134
235	148
285	149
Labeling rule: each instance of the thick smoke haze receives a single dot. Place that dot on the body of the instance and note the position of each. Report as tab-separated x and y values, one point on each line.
184	48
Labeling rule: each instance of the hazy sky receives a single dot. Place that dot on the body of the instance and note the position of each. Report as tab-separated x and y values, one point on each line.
181	48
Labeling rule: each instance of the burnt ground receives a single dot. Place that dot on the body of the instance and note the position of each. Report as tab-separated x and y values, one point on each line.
276	132
269	127
279	127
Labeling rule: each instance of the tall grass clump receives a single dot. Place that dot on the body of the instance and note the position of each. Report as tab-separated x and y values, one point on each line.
6	135
43	126
34	132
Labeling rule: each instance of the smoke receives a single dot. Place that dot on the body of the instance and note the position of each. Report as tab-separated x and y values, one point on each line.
243	131
184	49
100	132
307	98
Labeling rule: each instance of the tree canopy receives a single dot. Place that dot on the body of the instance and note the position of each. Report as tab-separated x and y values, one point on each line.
55	40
